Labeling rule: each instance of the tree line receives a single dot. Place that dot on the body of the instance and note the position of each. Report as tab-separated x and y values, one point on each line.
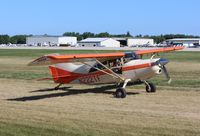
93	35
157	38
21	39
17	39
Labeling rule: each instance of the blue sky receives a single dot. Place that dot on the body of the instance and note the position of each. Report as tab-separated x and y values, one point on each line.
55	17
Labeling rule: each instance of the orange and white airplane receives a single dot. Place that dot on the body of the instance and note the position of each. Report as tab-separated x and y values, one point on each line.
117	68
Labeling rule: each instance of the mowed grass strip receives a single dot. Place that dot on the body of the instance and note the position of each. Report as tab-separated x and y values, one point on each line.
27	109
85	128
78	111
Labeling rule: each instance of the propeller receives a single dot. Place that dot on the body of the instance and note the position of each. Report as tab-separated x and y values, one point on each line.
161	63
166	74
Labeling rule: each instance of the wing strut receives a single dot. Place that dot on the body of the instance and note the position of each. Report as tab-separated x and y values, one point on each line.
113	74
110	70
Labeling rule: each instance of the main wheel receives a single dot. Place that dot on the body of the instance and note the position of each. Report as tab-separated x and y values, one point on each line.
151	88
120	93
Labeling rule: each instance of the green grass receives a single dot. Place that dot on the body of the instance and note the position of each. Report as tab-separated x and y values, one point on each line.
182	56
87	128
179	56
31	53
14	69
166	113
177	82
34	53
13	129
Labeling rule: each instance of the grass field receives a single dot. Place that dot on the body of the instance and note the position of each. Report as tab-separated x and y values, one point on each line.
29	107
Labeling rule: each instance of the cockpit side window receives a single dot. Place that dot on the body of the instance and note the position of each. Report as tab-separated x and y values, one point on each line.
110	64
131	56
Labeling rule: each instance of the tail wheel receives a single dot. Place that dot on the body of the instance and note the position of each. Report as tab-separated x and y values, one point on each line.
150	88
120	93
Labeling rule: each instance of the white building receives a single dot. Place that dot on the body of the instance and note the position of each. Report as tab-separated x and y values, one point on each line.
188	42
51	41
99	42
127	41
139	41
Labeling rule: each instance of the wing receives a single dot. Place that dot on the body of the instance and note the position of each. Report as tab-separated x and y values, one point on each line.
101	57
153	51
70	58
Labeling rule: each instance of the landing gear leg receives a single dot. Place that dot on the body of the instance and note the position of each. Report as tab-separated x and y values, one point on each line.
57	87
150	87
121	92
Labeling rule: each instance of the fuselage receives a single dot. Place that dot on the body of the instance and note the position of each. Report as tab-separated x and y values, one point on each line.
78	73
104	68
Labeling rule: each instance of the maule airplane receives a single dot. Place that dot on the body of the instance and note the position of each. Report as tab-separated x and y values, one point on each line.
117	68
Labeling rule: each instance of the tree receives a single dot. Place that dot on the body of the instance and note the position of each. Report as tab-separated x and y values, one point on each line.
138	35
75	34
13	40
70	34
18	39
103	34
4	39
128	34
87	35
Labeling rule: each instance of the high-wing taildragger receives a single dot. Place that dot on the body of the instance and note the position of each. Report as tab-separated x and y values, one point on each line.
117	68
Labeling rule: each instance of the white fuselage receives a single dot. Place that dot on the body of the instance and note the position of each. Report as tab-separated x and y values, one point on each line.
136	70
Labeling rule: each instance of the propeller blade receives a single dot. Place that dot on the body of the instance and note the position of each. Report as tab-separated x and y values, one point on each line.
166	74
161	63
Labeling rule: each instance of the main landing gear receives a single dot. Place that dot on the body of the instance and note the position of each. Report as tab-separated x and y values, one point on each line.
150	87
121	92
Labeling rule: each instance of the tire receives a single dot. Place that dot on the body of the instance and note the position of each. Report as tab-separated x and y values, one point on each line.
120	93
151	88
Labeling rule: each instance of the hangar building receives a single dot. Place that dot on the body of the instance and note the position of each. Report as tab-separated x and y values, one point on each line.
134	41
139	41
188	42
51	41
99	42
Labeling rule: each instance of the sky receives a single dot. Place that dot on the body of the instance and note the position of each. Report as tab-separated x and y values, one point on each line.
54	17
